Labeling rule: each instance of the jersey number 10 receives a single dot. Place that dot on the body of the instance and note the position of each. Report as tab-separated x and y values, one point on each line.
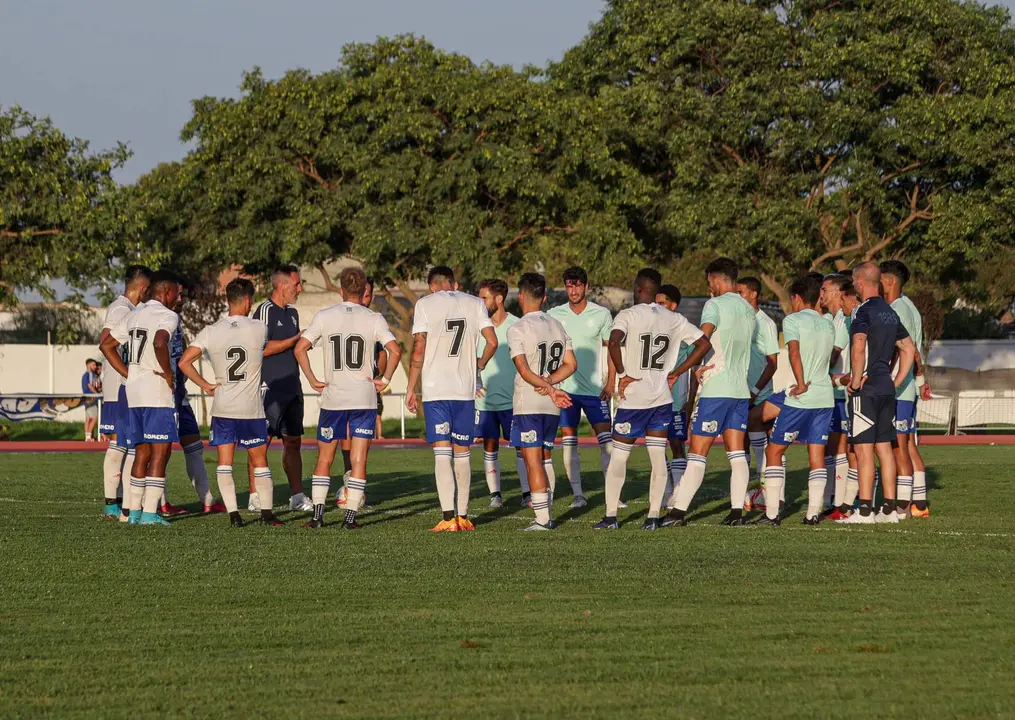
351	351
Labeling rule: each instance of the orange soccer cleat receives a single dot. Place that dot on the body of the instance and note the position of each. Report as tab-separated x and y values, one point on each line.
464	524
445	526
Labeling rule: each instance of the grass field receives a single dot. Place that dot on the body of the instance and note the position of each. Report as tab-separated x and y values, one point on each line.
99	619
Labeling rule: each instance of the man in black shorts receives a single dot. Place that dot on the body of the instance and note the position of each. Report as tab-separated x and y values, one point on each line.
280	381
875	335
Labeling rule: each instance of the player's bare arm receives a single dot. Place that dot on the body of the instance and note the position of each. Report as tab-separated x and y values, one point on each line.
611	375
274	347
701	347
392	355
615	345
490	335
415	370
161	347
857	354
108	346
187	360
797	366
302	354
698	376
771	365
921	377
907	357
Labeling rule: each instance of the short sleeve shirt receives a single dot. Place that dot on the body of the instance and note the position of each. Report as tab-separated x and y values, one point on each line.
816	338
652	339
588	330
235	346
541	340
840	321
453	323
764	343
137	331
734	320
913	323
499	374
280	372
883	328
350	333
112	380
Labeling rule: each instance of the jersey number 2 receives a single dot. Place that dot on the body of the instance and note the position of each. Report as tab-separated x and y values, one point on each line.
238	358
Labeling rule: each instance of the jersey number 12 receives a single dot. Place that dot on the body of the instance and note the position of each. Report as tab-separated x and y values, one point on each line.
653	351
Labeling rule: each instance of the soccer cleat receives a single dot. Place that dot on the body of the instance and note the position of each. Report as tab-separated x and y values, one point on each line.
464	524
766	521
622	505
254	503
536	527
579	502
445	526
314	523
915	512
672	520
734	519
272	521
891	518
812	520
111	511
134	518
351	526
496	502
858	518
125	518
837	515
651	524
302	505
170	509
216	507
526	502
236	521
607	523
152	519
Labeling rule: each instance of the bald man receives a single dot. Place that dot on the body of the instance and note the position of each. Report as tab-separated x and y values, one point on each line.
875	335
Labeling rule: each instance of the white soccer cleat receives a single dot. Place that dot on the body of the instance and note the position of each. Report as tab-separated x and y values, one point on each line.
496	502
857	519
254	503
579	502
302	504
622	505
891	518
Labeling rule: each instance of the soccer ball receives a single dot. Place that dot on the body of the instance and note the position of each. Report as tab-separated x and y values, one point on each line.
755	500
341	499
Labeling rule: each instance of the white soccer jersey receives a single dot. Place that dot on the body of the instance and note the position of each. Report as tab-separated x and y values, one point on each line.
543	342
112	380
653	336
453	322
351	333
235	346
137	332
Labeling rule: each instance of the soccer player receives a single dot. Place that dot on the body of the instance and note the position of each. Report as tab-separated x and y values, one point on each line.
280	378
542	354
446	328
236	344
349	399
644	344
728	321
114	398
839	461
763	365
189	431
875	335
588	326
807	409
151	422
669	297
912	472
493	406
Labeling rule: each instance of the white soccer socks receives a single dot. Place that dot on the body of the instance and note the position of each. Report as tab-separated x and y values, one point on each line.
740	478
759	443
920	486
112	464
551	478
775	480
605	440
852	487
678	466
904	491
266	488
541	506
227	488
615	475
694	475
152	494
659	473
463	481
572	463
320	486
444	474
523	472
491	470
193	456
816	481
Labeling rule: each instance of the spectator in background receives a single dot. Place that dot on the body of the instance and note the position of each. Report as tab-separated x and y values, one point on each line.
91	385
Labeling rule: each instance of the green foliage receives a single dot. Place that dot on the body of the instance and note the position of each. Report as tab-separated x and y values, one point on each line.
67	324
797	136
55	218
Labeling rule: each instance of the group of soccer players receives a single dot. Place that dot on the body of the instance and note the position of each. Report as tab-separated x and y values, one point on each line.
486	375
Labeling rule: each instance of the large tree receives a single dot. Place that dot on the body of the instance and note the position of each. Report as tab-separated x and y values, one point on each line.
405	156
55	221
802	136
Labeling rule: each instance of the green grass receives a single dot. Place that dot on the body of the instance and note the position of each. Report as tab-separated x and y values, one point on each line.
99	619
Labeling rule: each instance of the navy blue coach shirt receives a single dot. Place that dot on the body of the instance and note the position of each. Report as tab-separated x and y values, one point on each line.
883	328
280	373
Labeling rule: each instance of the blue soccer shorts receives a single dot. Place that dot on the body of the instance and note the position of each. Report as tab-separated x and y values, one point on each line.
714	416
339	424
110	419
803	425
151	425
245	432
634	423
840	418
678	425
451	421
596	410
528	431
905	417
493	424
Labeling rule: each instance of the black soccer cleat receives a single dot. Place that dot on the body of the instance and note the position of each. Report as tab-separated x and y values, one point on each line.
651	524
607	523
271	521
235	520
675	519
315	523
766	521
346	525
816	520
734	519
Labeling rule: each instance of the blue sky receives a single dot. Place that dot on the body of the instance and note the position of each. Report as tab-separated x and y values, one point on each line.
109	70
